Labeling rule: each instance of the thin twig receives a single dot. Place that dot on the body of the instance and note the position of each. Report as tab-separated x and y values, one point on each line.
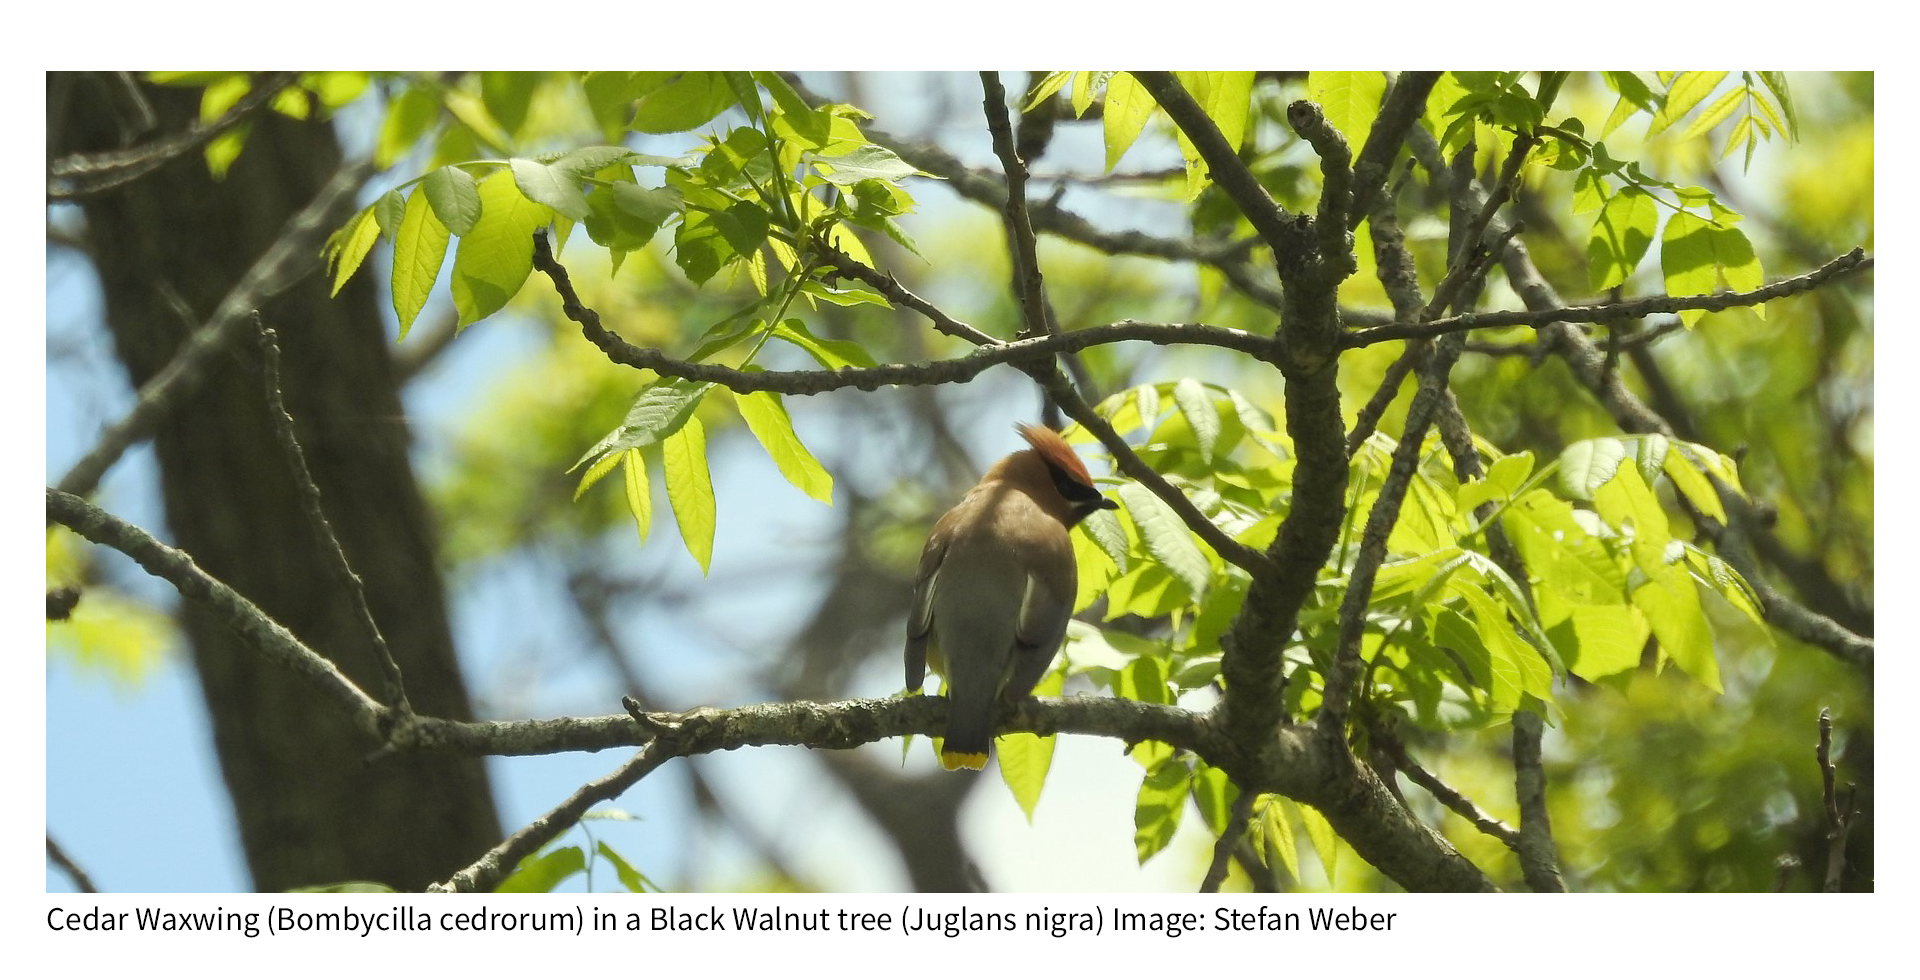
1449	797
1839	805
64	863
494	866
342	571
992	352
1854	261
1029	285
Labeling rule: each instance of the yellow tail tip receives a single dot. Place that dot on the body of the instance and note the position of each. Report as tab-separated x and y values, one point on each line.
963	760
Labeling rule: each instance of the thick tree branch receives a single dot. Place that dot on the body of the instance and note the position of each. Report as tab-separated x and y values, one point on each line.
1290	762
1399	110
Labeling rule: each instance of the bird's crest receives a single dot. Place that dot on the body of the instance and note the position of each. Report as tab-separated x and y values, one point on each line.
1055	450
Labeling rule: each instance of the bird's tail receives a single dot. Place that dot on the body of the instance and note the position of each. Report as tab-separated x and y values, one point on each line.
970	711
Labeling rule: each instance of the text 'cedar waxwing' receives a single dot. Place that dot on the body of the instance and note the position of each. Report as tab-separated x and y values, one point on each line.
995	587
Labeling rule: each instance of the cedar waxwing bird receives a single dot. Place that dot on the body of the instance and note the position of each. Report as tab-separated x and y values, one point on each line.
995	587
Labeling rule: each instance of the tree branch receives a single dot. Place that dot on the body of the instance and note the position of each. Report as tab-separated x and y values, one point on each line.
337	564
1399	110
80	174
1276	226
1538	317
494	866
1839	806
1229	839
241	615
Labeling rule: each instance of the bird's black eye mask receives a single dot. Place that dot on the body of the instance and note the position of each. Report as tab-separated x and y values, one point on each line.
1082	498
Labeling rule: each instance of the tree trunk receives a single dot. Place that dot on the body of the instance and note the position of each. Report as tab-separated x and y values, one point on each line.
310	810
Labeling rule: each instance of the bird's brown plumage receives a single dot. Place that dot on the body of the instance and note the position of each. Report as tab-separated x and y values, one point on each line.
996	585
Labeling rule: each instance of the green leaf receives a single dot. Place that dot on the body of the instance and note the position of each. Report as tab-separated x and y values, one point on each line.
614	226
1516	668
543	872
1025	758
1691	484
630	879
690	489
494	259
1776	82
1502	482
1166	538
1103	526
811	127
1687	260
1196	404
507	94
660	410
589	160
1224	96
830	354
409	115
1716	113
655	204
1144	679
767	418
867	162
1687	90
345	888
1620	237
1739	266
1672	607
1627	502
1608	639
743	225
1214	794
688	101
1587	465
388	211
455	198
1349	99
600	468
1562	556
1157	808
1320	832
348	247
1275	833
639	490
419	249
1124	114
550	186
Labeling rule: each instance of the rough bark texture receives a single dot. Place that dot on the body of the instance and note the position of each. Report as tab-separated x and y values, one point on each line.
309	810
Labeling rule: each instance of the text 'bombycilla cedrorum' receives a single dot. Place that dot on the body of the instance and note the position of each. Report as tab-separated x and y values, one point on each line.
995	587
